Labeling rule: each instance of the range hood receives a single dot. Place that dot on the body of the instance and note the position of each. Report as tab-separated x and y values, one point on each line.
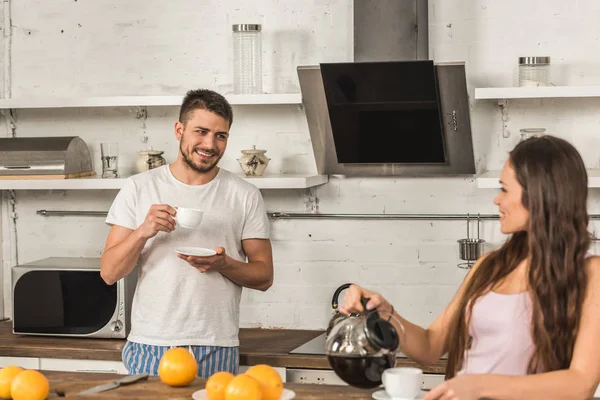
388	114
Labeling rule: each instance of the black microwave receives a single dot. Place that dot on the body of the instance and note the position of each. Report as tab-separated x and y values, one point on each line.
64	296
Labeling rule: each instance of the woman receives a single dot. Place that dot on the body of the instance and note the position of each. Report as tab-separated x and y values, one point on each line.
525	323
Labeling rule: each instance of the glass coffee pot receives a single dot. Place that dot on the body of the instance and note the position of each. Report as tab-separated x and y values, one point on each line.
359	347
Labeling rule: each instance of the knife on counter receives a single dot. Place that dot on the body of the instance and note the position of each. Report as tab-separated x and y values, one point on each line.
126	380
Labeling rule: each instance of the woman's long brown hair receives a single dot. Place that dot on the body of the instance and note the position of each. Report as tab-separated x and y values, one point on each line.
554	182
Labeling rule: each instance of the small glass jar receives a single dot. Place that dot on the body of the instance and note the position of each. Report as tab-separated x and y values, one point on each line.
534	71
527	133
247	59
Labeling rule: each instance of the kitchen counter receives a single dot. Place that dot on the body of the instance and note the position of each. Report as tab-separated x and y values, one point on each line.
71	383
68	384
257	346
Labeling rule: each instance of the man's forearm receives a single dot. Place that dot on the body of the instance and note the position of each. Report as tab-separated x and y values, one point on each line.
254	275
119	260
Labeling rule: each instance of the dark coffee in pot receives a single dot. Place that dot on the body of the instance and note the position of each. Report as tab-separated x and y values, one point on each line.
361	372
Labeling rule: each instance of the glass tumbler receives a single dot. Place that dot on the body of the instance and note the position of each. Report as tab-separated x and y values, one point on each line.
110	154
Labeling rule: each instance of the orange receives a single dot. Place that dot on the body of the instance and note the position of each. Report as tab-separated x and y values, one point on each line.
243	387
177	367
30	385
270	381
216	385
7	374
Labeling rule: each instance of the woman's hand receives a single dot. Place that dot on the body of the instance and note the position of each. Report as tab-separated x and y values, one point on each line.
352	302
464	387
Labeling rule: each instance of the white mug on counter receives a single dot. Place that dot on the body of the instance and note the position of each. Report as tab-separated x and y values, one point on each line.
188	217
402	383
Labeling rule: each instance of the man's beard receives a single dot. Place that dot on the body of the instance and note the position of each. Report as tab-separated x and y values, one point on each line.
202	168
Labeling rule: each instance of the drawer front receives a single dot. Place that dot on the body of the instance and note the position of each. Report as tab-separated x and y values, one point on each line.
23	362
328	377
59	364
315	376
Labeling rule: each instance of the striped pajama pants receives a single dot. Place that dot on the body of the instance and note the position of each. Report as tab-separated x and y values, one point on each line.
140	358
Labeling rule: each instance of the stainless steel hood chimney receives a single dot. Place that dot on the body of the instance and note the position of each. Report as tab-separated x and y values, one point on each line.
391	112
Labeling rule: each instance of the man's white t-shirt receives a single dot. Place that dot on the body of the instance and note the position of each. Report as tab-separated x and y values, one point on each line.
175	304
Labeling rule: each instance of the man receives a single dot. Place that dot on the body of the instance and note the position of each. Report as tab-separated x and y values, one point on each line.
184	300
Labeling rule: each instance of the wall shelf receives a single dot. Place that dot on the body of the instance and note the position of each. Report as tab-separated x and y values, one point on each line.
286	181
504	93
490	180
139	101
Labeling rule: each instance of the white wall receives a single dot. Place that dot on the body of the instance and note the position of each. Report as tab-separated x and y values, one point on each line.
137	47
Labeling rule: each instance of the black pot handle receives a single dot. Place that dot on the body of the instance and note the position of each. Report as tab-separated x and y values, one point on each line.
364	301
336	294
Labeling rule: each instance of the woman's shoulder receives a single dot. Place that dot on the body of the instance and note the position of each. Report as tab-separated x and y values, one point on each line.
592	261
593	269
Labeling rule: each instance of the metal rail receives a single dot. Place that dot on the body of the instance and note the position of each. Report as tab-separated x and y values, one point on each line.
384	216
52	213
283	215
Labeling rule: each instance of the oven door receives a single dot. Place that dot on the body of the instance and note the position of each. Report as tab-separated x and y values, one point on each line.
62	302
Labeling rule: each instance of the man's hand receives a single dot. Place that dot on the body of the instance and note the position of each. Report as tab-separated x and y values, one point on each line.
159	218
208	263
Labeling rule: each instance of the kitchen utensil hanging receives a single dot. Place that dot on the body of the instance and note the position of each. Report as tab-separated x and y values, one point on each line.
470	249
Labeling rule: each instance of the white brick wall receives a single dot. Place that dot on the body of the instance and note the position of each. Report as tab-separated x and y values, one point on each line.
137	47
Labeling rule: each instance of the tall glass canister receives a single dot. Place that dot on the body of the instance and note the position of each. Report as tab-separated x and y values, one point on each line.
247	59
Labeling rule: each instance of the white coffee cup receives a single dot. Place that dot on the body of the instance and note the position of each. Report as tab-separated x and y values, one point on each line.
402	383
188	217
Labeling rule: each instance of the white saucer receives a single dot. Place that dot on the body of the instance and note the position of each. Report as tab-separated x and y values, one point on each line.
195	251
382	395
286	395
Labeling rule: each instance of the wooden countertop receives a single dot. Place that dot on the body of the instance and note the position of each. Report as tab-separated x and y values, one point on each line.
71	383
68	384
257	346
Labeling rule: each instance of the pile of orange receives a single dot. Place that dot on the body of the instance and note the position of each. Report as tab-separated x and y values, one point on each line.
177	367
22	384
260	382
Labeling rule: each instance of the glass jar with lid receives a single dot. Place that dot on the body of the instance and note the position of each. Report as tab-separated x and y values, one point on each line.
527	133
247	59
534	71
